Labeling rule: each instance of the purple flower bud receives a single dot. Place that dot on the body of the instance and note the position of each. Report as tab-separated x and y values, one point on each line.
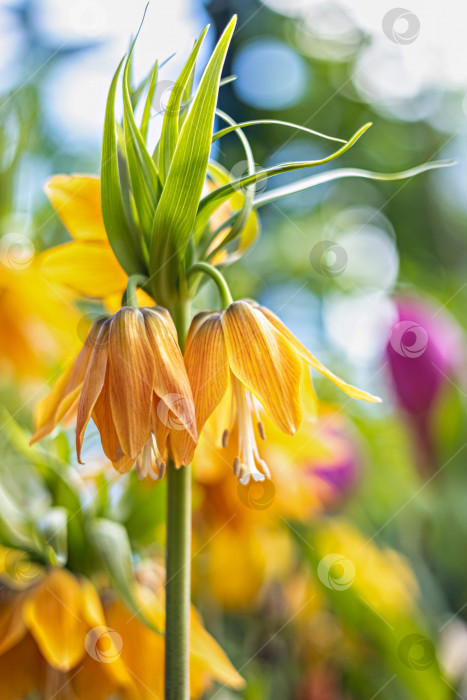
424	347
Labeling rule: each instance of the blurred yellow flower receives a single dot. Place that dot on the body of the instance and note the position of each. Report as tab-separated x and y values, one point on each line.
39	324
59	638
381	576
43	641
241	530
87	264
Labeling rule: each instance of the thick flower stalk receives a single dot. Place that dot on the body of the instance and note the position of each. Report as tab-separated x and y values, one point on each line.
246	349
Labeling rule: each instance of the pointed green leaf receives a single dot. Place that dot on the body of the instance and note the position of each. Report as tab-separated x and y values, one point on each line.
148	104
144	179
212	201
178	205
339	173
124	244
249	191
278	122
169	133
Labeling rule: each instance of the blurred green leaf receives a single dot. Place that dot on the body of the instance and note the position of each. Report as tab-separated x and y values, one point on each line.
53	526
110	540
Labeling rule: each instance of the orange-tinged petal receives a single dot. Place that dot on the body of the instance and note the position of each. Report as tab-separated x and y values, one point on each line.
131	364
100	641
52	409
123	464
171	383
20	670
77	200
12	627
142	652
208	659
89	268
265	362
102	416
53	613
182	447
206	364
92	681
350	390
93	383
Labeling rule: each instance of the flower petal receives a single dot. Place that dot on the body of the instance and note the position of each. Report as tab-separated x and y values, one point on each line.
142	651
182	447
350	390
265	362
93	383
12	627
102	416
103	637
21	670
206	364
89	268
171	383
208	658
77	201
131	365
52	409
54	616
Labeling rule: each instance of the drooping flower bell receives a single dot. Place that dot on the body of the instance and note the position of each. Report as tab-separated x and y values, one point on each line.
130	379
248	349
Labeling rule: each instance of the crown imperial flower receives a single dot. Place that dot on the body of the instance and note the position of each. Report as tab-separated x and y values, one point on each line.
249	349
130	379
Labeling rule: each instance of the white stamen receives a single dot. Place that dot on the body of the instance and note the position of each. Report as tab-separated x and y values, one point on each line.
245	465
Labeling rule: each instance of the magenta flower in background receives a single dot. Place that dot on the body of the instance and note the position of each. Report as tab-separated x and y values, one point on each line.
424	350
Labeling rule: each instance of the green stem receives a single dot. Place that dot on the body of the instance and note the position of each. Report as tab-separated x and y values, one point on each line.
214	274
178	562
129	297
